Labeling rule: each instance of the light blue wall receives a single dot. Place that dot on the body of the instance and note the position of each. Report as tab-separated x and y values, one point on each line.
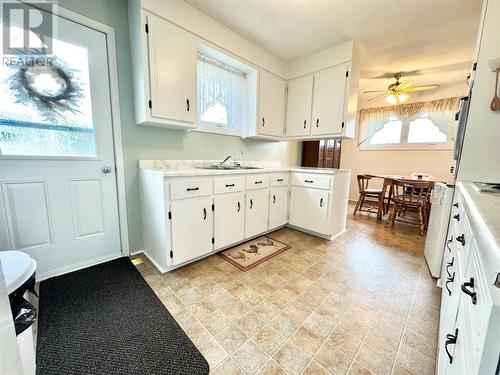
154	143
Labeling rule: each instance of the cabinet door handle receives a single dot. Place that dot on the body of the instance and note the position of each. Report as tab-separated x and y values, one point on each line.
317	122
274	199
321	202
279	180
455	204
457	217
305	122
450	280
204	214
239	206
263	121
450	264
193	189
258	182
309	181
450	240
472	294
187	105
450	340
251	204
229	185
461	239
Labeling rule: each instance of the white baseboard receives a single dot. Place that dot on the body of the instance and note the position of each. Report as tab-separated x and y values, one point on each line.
76	266
325	236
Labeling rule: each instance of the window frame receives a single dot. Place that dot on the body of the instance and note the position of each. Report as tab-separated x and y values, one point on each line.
403	143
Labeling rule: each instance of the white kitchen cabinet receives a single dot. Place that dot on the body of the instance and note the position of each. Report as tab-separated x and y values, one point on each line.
271	119
278	206
256	212
329	98
164	68
309	208
192	229
298	114
229	219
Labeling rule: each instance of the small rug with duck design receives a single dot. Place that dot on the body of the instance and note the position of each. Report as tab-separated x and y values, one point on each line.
254	252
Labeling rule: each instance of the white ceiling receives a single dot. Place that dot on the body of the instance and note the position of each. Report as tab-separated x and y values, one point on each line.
431	40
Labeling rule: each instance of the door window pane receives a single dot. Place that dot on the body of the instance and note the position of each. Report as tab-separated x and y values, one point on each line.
46	108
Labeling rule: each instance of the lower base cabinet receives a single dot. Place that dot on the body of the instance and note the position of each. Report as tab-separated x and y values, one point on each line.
256	212
278	206
192	228
229	215
309	208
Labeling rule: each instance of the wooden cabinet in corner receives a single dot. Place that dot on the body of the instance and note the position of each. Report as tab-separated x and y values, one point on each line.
164	71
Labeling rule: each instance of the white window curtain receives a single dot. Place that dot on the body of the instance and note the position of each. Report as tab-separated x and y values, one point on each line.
219	84
441	112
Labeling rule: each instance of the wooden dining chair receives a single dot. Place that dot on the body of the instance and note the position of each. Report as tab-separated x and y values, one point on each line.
411	196
367	195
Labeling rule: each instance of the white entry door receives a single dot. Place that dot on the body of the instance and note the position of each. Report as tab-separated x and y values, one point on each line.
58	197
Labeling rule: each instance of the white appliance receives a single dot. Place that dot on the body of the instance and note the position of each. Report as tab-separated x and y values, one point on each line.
437	230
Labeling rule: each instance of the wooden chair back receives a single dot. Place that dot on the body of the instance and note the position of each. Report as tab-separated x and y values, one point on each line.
412	192
363	181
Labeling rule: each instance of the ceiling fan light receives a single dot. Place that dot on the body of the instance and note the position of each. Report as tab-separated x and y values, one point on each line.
402	97
391	99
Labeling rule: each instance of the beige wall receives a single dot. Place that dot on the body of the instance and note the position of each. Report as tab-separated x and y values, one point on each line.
404	162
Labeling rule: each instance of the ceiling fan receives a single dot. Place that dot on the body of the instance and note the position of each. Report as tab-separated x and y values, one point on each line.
398	92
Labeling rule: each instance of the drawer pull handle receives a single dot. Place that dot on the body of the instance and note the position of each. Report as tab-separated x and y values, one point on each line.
187	105
204	214
321	202
309	181
317	122
450	264
239	206
450	280
193	189
258	182
461	239
263	121
450	240
274	199
229	185
279	180
450	340
305	122
251	204
473	295
457	217
455	205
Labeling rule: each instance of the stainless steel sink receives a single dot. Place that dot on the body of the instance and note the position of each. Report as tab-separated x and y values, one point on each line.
227	167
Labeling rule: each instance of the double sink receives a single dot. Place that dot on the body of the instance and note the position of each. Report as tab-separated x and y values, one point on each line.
228	167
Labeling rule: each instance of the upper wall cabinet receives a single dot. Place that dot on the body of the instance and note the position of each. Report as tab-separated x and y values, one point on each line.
298	115
164	72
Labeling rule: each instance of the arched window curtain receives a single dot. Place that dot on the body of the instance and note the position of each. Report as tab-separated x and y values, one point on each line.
224	85
441	112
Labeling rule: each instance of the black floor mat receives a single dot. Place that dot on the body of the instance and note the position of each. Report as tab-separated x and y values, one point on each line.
107	320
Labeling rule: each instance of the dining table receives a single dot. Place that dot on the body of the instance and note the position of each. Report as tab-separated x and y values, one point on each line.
388	189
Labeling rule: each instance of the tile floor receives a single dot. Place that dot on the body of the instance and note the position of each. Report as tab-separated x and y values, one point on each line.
364	303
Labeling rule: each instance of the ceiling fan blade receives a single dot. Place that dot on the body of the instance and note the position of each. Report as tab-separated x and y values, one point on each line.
373	91
404	84
377	97
422	88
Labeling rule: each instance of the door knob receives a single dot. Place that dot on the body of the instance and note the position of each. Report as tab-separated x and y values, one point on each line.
106	169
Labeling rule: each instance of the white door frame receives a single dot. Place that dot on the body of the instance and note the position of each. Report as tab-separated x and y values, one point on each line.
109	32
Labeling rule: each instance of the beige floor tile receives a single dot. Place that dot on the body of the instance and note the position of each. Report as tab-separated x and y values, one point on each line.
373	360
280	299
344	341
190	296
319	325
314	368
221	297
415	361
291	358
297	312
266	310
185	318
198	334
228	367
164	294
329	312
272	368
231	338
234	309
385	341
306	340
421	344
357	369
174	305
216	322
203	309
399	369
284	324
276	280
250	323
269	339
250	357
333	359
213	352
309	300
249	298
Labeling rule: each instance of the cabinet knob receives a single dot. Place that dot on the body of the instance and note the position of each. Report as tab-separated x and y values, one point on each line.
204	214
321	202
251	204
239	206
305	122
187	105
457	217
471	293
309	181
450	340
274	199
229	185
317	122
193	189
461	239
455	204
263	121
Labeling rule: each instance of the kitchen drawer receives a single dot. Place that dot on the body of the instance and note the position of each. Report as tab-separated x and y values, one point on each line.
257	181
190	188
311	180
229	184
279	179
